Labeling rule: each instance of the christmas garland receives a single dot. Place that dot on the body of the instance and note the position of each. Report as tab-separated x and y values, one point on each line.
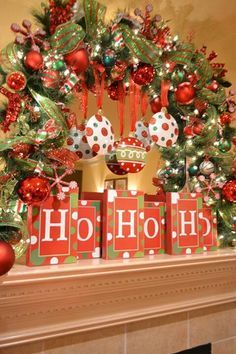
75	52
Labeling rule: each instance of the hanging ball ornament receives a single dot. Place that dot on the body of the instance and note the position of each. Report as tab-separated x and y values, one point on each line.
193	170
16	81
21	150
109	58
185	93
206	167
229	191
59	65
131	155
7	257
198	128
77	60
51	78
113	165
188	131
143	75
156	105
225	118
112	91
33	60
33	190
224	145
163	129
213	86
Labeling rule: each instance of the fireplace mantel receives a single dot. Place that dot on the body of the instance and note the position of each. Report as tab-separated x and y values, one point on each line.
50	301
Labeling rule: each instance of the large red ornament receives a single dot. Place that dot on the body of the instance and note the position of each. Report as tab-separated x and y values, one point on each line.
185	93
16	81
143	75
156	105
229	191
131	155
77	60
33	60
21	150
225	118
33	190
7	257
51	78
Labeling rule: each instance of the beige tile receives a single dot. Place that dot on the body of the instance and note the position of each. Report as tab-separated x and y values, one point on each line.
212	324
227	346
30	348
103	341
163	335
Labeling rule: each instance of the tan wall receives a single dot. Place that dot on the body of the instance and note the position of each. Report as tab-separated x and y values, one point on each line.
212	23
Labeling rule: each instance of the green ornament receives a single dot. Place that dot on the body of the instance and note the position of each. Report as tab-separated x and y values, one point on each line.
224	145
193	170
109	58
178	76
59	65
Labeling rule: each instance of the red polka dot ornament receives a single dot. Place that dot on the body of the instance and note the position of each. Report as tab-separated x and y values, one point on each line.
131	155
100	134
113	164
142	133
77	142
163	129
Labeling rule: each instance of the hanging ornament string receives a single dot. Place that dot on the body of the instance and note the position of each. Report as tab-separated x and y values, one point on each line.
99	75
121	106
134	94
165	86
144	103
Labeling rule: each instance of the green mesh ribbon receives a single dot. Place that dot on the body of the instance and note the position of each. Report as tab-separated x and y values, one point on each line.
50	108
67	37
209	132
94	17
183	55
215	98
143	49
203	69
9	58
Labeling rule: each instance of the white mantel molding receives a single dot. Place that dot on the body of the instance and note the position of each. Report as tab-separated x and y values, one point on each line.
45	302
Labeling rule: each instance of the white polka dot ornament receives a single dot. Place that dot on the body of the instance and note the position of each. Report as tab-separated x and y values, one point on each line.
163	129
77	142
131	155
142	133
100	134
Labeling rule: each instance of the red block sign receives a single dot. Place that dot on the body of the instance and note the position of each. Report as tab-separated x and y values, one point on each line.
184	234
89	229
53	230
123	224
208	224
154	227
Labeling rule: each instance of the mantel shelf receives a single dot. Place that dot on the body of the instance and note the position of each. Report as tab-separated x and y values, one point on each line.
50	301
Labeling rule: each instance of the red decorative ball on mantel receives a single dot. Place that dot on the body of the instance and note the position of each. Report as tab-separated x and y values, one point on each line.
185	93
77	60
33	190
229	191
33	60
156	105
7	257
143	75
16	81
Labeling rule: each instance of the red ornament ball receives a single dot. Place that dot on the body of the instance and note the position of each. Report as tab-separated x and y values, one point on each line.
188	131
77	60
229	191
112	91
16	81
185	93
33	190
156	105
21	150
143	75
33	60
7	257
225	118
198	128
51	78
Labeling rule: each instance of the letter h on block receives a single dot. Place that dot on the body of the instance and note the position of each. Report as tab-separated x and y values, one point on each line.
123	218
183	232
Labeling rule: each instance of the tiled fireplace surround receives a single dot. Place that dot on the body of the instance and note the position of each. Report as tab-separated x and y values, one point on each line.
158	305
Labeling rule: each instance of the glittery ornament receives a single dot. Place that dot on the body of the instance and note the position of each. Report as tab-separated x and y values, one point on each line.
225	118
142	134
163	129
7	257
13	108
77	60
229	191
131	155
156	105
224	145
59	65
33	190
16	81
100	134
50	78
21	150
185	93
143	75
112	91
33	60
60	14
206	167
113	164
